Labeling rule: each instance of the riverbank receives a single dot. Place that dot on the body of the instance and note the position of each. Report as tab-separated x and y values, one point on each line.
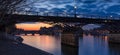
11	38
12	45
10	48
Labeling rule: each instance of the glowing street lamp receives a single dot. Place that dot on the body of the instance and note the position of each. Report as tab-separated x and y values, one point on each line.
75	7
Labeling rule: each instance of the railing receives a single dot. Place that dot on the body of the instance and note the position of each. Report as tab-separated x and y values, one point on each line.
64	14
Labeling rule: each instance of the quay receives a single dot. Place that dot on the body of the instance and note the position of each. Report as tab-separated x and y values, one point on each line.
12	45
69	39
10	48
114	38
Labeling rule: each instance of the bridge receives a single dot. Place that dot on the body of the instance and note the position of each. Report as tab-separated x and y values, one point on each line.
23	16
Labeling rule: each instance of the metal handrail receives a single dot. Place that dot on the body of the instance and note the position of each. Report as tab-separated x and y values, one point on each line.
64	14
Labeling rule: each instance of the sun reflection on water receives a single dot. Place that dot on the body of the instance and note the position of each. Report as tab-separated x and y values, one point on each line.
43	42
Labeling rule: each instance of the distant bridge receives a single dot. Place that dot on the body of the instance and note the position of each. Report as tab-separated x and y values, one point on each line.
27	32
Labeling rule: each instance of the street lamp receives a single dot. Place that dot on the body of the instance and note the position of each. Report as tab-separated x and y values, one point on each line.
75	7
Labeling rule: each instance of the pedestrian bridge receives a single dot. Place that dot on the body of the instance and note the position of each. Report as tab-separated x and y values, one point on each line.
70	15
23	16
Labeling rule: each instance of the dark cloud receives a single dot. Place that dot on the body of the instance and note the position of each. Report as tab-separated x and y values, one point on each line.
42	9
98	7
56	10
114	8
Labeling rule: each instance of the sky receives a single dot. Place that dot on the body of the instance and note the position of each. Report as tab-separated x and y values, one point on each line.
95	7
34	26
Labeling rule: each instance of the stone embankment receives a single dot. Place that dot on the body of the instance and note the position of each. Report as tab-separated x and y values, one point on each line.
8	37
114	38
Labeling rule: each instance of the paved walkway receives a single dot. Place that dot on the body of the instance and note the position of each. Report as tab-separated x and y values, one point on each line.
9	48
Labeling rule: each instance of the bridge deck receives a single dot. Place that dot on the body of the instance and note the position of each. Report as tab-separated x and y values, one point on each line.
67	14
60	19
24	16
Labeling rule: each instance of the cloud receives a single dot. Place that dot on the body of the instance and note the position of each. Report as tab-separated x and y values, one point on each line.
99	7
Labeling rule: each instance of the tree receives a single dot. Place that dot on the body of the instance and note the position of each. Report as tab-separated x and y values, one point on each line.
7	6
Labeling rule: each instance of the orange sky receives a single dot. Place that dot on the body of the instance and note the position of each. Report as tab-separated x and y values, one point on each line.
32	26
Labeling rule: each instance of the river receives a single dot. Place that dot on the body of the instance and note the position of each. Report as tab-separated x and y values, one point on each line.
87	44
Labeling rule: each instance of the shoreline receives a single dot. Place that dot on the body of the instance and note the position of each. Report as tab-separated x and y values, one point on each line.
9	48
12	45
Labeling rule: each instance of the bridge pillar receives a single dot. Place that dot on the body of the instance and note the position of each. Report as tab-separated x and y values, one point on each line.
69	39
114	38
69	44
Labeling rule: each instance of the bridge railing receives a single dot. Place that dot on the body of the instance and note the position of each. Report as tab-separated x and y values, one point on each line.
64	14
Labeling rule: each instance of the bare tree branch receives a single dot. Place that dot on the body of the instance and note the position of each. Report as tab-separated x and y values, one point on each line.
8	6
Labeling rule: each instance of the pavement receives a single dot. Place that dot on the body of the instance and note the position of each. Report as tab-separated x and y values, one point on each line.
12	48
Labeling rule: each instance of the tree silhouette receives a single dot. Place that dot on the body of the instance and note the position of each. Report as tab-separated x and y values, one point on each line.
8	6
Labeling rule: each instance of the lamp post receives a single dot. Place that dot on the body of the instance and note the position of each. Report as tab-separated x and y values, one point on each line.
75	7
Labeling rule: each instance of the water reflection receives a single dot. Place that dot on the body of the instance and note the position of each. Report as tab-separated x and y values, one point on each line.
115	49
69	44
91	45
47	43
88	45
69	50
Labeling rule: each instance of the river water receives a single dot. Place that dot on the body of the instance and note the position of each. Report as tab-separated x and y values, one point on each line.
46	43
87	44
